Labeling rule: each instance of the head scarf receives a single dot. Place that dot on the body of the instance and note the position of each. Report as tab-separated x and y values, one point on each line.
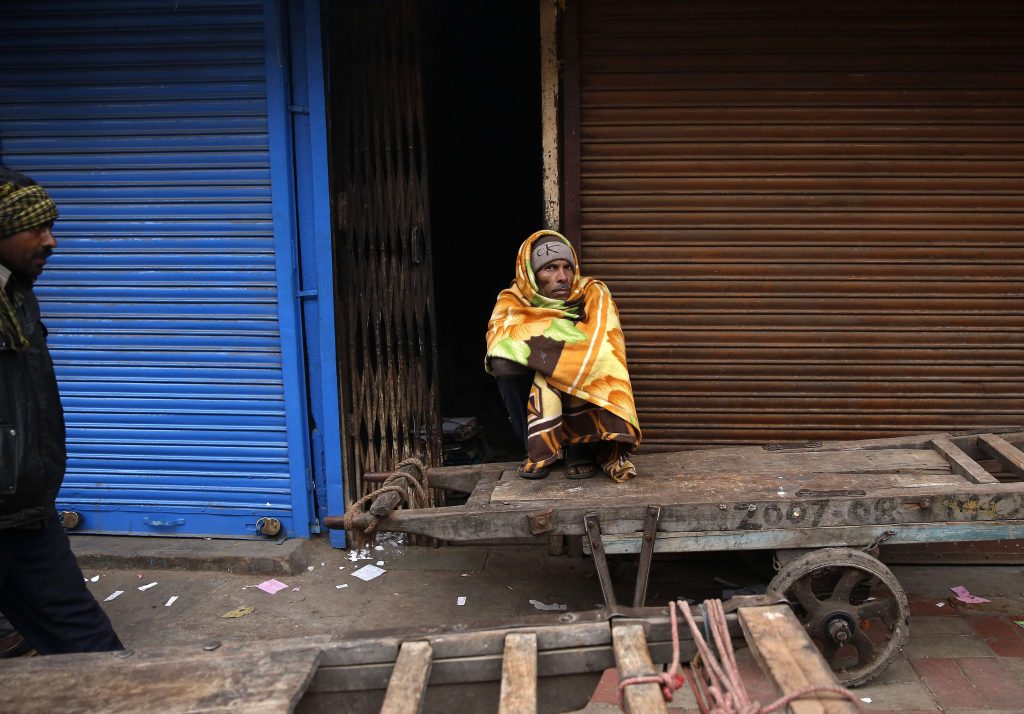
22	209
526	280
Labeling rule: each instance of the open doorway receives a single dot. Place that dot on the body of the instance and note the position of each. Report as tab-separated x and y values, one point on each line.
435	137
483	120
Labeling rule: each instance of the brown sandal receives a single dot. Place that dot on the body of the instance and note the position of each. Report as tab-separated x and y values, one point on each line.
542	472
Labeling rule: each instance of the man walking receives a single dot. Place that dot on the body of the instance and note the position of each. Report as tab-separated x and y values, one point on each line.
42	591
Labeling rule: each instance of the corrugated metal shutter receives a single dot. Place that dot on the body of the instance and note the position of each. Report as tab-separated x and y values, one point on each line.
809	213
148	124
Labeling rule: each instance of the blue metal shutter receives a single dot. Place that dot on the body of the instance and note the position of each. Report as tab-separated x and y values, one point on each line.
148	123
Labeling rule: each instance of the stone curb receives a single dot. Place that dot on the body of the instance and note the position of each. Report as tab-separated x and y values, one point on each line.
249	557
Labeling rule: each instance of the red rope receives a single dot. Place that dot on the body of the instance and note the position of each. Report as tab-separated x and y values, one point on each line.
716	682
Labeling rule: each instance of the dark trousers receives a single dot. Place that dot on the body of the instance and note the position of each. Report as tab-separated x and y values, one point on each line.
43	593
515	393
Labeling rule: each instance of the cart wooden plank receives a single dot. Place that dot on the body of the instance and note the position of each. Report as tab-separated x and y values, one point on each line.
407	688
698	475
519	674
242	678
633	660
1003	451
786	654
961	463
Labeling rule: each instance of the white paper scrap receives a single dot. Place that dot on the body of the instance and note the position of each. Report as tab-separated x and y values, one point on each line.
461	600
148	586
866	700
380	563
170	601
343	585
94	579
310	568
113	596
368	572
553	606
378	547
940	604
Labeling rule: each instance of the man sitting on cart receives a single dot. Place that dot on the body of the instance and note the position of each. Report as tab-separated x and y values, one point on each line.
555	345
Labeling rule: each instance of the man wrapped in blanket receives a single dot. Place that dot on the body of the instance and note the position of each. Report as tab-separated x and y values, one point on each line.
555	345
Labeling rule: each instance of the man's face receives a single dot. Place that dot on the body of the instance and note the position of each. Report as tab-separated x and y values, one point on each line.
554	280
25	253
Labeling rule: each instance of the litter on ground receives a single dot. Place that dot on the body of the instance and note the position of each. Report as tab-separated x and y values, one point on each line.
114	595
239	611
553	606
170	601
272	586
343	585
461	600
147	586
368	572
964	596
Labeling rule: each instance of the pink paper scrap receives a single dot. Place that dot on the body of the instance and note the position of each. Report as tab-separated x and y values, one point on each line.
964	596
272	586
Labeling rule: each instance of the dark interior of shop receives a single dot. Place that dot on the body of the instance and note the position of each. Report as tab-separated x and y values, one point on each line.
480	78
482	100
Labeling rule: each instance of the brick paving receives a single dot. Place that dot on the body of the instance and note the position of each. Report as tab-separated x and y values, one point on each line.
959	659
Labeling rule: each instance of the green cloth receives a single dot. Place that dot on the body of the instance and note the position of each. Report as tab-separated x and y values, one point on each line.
22	209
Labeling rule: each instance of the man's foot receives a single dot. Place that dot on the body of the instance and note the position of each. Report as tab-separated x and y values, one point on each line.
13	645
579	461
535	474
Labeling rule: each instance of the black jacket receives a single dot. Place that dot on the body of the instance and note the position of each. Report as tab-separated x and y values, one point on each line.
32	451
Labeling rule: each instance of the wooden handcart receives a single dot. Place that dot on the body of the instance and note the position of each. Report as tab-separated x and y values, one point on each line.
824	508
545	663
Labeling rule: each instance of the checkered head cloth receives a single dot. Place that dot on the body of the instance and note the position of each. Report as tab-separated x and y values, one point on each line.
24	208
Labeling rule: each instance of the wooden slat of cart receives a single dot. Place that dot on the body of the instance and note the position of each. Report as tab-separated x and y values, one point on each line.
961	463
234	677
519	674
786	654
1004	452
407	687
634	660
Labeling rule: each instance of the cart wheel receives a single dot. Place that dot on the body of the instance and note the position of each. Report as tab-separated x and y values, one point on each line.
852	607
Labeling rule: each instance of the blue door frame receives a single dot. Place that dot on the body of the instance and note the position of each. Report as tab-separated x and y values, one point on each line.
300	173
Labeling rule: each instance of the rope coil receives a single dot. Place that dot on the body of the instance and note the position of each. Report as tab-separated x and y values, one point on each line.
411	489
716	683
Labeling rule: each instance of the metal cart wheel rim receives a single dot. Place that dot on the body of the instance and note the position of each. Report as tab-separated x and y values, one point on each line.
837	619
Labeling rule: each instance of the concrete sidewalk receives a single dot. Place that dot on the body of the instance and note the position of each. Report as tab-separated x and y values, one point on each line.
960	658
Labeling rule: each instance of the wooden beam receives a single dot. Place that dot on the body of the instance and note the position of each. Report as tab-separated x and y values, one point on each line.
407	687
1004	452
634	660
549	97
961	463
519	674
788	657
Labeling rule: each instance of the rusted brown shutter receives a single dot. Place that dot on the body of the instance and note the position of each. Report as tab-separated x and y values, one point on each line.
810	214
